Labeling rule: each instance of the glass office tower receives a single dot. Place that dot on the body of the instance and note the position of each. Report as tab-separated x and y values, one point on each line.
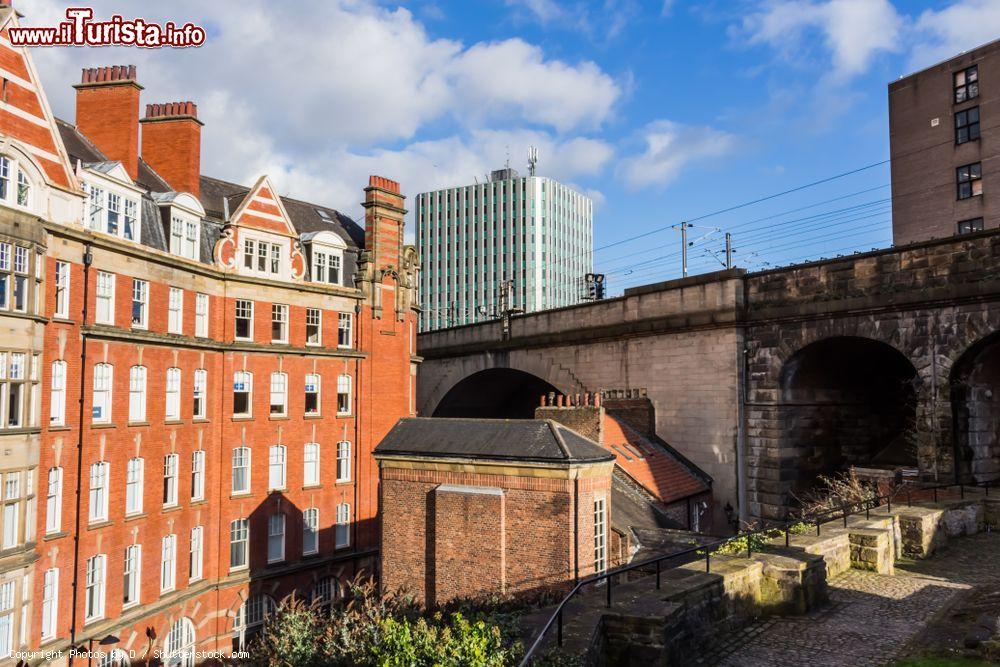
529	237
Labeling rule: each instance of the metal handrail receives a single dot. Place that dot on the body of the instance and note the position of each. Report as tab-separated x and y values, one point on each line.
845	511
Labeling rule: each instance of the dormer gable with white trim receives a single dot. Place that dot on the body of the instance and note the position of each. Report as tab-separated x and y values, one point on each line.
325	251
259	239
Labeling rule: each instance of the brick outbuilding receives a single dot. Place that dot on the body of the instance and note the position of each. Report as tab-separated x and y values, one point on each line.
476	507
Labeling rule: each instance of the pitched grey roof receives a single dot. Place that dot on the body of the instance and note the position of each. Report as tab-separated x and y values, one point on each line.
531	440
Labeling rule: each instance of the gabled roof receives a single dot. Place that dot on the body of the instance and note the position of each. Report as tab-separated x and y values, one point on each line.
528	440
653	464
305	216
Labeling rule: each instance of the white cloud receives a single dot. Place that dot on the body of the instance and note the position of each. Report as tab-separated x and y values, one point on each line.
941	34
853	32
543	10
670	147
320	94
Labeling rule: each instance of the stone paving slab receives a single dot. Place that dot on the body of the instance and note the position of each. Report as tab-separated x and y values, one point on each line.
871	617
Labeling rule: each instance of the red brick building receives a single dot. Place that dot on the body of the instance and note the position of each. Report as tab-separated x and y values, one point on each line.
476	507
200	370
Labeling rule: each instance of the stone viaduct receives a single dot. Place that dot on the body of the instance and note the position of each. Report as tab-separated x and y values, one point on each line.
765	380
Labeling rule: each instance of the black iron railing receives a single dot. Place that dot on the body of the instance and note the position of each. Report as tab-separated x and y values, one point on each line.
695	553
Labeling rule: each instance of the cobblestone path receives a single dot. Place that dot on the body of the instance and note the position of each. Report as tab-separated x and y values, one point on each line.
871	617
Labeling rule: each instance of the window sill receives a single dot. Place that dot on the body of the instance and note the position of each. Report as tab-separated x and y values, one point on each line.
317	416
56	429
99	426
344	415
92	621
173	422
59	319
345	347
201	420
137	424
271	563
94	525
240	494
277	490
133	517
170	508
312	487
320	344
241	568
278	418
344	482
242	418
54	536
199	501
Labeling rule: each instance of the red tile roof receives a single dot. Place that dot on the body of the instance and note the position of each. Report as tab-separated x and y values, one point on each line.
649	463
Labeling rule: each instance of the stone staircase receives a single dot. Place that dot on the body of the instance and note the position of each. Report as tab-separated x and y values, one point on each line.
649	626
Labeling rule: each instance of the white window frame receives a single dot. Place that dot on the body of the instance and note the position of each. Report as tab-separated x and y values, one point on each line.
137	394
135	474
310	531
279	395
53	500
199	408
140	304
279	317
98	496
317	315
344	389
96	580
600	535
311	464
103	393
196	554
104	304
57	398
201	306
239	543
345	330
344	461
171	479
313	385
172	410
50	603
62	289
240	461
276	538
277	468
243	383
342	529
175	311
198	475
246	306
132	575
168	563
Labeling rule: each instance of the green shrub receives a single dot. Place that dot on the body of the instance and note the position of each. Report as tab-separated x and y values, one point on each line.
368	629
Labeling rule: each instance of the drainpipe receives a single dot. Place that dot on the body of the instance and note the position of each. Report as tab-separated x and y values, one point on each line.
88	258
356	454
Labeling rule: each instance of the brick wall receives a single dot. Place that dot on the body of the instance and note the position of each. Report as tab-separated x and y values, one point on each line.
443	545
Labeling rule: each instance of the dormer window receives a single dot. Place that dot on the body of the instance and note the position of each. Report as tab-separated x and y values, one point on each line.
327	266
114	212
15	185
262	257
184	235
23	190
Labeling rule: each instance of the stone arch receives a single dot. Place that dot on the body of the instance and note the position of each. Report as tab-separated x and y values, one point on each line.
432	390
506	393
845	400
974	383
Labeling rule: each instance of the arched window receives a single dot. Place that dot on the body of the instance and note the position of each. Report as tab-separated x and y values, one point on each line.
326	591
179	645
114	658
250	619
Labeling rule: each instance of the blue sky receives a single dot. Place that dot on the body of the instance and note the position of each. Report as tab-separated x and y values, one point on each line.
662	111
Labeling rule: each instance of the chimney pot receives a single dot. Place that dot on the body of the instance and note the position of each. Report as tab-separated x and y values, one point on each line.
107	112
171	144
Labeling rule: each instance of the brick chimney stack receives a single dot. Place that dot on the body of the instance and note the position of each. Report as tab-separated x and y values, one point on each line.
107	112
171	144
384	222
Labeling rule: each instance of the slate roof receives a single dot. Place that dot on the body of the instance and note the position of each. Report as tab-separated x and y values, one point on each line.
530	440
306	216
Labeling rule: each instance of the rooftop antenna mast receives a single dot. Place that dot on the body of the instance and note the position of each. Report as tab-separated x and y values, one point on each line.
507	163
532	160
